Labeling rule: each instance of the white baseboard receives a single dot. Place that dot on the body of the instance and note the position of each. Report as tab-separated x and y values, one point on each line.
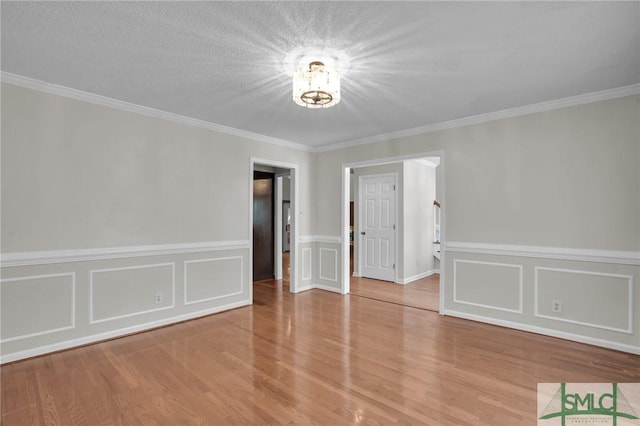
304	288
327	288
81	341
417	277
547	332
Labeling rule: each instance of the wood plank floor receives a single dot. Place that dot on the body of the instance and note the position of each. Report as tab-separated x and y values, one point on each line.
423	293
312	358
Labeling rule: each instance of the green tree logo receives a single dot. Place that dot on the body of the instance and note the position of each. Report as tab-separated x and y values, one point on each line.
564	404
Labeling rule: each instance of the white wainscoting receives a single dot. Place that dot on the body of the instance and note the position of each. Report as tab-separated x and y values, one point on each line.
327	259
597	291
212	279
592	299
59	299
48	305
477	283
307	266
328	264
99	337
116	293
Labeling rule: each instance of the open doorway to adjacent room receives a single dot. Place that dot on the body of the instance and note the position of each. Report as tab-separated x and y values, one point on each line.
394	227
272	226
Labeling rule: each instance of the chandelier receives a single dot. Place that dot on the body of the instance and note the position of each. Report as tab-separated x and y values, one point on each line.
316	87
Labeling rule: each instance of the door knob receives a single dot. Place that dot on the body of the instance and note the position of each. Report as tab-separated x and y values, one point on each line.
362	233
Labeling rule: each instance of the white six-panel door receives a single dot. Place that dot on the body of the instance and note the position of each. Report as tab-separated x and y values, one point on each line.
377	222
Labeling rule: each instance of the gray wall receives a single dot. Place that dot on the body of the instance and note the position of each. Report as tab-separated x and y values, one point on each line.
538	207
419	193
77	175
103	209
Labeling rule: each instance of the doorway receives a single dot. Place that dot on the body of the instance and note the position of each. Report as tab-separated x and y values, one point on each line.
263	226
418	281
265	253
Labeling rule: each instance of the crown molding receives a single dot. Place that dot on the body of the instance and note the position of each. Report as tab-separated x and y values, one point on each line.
80	95
586	98
55	89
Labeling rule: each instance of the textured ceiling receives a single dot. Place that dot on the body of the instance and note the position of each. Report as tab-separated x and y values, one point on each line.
405	64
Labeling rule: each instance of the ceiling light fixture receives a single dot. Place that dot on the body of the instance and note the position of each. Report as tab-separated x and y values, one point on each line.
316	87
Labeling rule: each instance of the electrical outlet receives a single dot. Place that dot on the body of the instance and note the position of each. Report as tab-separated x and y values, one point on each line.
158	298
556	306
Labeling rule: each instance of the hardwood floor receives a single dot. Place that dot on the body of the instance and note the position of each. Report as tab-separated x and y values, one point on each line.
286	265
423	293
311	358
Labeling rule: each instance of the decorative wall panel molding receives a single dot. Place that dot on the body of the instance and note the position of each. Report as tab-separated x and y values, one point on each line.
121	292
31	318
307	271
116	294
479	284
329	256
588	295
223	277
93	338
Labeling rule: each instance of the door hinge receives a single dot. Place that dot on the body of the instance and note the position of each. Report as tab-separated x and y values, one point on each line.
394	187
394	266
394	227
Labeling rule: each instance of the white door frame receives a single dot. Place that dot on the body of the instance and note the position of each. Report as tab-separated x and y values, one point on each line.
278	229
293	167
344	207
356	237
279	222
